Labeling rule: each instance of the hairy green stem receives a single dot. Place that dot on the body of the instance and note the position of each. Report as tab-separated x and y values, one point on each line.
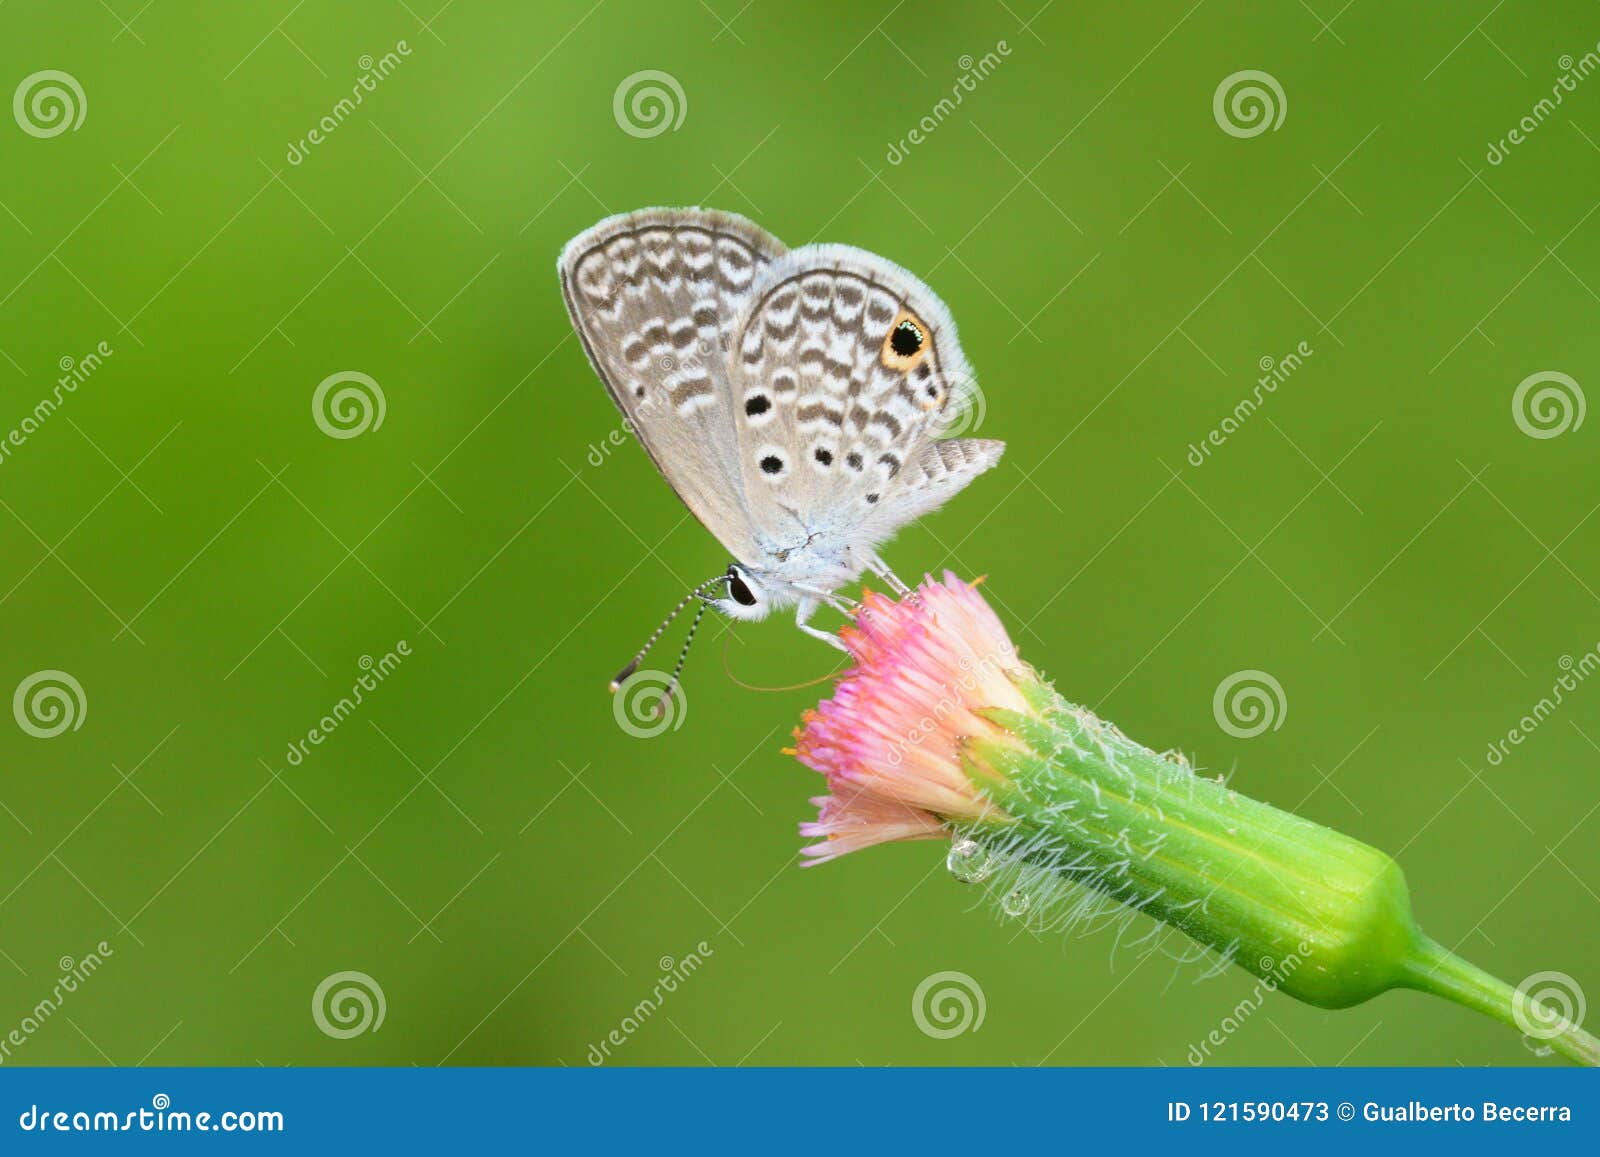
1321	916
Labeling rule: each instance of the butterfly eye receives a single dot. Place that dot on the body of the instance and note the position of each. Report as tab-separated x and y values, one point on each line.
738	590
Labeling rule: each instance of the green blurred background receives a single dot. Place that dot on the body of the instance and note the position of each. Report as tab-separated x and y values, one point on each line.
481	838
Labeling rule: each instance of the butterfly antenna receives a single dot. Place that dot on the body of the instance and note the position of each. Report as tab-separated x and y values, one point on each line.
683	656
633	664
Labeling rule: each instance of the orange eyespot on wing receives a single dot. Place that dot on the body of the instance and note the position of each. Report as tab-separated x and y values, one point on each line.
906	344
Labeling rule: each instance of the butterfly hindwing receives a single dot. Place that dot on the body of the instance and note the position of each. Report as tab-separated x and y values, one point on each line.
840	371
937	472
655	296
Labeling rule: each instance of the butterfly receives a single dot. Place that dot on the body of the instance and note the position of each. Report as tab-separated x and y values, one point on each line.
793	399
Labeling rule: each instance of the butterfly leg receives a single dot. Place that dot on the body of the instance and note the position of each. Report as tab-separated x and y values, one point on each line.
802	616
844	604
880	568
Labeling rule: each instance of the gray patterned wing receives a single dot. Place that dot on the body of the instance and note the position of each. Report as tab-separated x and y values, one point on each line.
654	296
937	472
841	371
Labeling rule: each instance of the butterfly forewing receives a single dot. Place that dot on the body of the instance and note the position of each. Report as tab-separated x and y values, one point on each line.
654	296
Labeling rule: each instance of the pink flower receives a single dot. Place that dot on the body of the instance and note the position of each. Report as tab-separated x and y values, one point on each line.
891	740
941	730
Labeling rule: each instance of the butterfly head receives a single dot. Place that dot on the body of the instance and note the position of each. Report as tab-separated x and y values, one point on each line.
745	597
